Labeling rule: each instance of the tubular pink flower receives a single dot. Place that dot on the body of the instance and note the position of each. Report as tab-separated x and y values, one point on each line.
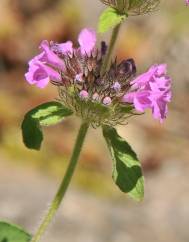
39	74
48	65
151	90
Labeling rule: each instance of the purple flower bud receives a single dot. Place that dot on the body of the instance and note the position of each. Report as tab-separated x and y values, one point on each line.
84	94
107	101
127	68
79	77
116	86
103	47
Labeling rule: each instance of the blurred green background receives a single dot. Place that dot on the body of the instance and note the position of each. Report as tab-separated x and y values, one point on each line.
94	209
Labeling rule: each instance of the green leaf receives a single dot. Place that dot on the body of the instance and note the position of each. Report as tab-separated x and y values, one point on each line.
12	233
109	19
45	114
127	172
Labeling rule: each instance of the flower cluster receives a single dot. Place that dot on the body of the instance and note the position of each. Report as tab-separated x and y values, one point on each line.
151	90
108	98
133	7
187	2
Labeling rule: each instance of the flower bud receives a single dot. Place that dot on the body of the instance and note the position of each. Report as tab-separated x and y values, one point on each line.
107	101
133	7
84	94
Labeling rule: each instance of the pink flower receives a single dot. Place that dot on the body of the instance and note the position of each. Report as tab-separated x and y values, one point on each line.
48	65
40	74
151	90
187	2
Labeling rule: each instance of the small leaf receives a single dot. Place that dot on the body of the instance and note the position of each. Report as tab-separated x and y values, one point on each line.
12	233
109	19
45	114
127	172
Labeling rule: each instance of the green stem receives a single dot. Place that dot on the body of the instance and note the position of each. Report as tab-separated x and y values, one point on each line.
110	49
64	185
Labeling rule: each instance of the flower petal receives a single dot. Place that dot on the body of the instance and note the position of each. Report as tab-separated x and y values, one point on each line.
128	97
40	74
49	56
87	41
65	48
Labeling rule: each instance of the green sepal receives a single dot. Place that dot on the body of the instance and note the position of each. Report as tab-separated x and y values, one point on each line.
46	114
127	172
109	19
126	109
13	233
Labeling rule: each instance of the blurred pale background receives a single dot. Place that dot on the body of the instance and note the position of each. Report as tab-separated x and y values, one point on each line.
94	209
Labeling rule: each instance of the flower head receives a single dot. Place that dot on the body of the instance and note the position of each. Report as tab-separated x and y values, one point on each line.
108	98
76	72
133	7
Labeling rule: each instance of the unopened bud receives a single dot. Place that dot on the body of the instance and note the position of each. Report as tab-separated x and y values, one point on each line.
133	7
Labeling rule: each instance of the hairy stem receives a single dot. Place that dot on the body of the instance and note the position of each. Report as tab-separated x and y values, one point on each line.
64	185
110	49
